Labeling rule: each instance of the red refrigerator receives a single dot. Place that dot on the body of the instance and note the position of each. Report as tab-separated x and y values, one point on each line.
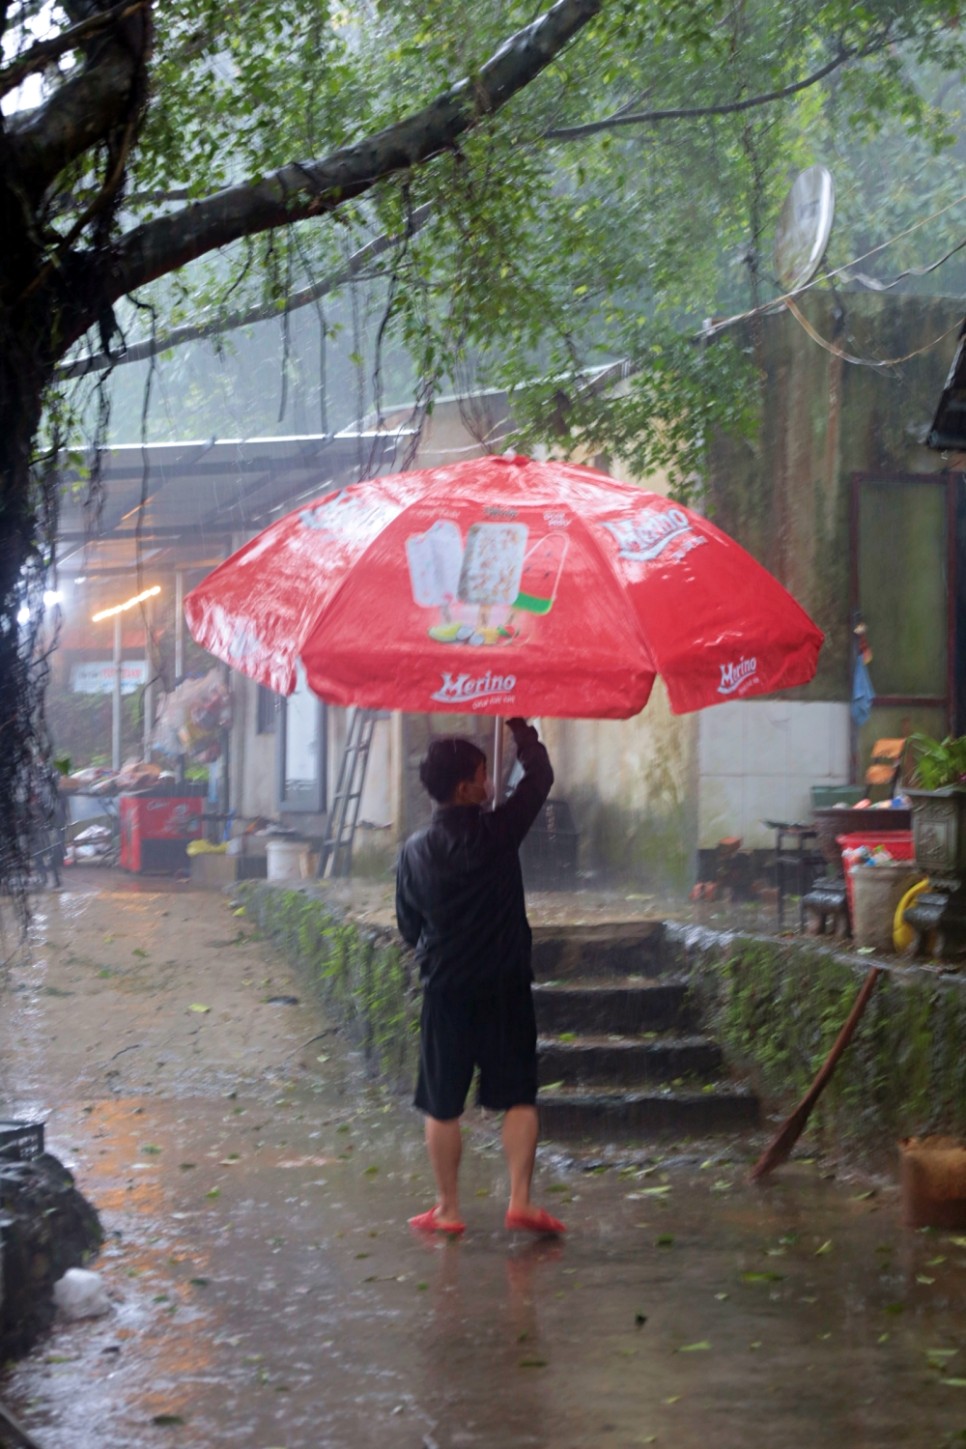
156	829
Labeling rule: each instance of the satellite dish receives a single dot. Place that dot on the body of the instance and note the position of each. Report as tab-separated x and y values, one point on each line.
804	227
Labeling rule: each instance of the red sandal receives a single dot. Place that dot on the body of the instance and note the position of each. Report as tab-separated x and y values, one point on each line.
537	1220
428	1222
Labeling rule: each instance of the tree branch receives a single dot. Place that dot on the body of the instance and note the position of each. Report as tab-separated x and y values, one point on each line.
85	109
40	55
688	113
245	317
300	191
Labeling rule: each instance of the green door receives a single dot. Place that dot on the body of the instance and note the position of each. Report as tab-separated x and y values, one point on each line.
904	587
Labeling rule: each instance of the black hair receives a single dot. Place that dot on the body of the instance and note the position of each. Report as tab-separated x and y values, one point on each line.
446	763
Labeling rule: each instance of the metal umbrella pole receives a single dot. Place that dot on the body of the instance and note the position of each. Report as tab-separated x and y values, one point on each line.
497	771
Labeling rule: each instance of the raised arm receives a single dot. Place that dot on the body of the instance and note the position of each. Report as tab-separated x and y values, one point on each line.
515	817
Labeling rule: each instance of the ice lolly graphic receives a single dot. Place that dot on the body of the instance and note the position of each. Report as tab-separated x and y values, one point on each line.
435	558
541	574
492	563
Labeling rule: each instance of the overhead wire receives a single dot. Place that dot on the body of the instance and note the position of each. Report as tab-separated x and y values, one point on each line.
712	327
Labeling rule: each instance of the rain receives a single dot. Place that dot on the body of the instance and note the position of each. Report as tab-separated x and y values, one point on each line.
380	376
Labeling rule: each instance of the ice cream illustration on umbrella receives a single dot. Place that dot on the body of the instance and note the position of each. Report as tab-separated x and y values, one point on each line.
490	576
435	559
476	587
542	567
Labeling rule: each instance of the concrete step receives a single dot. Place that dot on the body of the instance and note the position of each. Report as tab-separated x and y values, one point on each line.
601	1115
614	1008
627	1061
634	948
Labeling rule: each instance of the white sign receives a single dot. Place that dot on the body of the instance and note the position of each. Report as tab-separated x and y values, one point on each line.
98	678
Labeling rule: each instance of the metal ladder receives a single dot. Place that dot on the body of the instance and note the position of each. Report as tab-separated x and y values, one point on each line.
335	856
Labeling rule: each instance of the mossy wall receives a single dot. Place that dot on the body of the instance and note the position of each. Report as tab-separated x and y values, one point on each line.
777	1007
363	975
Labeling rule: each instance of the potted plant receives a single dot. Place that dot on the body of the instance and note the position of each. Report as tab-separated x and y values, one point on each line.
937	797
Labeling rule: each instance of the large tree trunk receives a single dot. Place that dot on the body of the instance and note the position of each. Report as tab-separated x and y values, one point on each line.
27	525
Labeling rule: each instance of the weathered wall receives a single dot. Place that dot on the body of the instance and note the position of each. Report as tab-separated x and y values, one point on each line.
786	496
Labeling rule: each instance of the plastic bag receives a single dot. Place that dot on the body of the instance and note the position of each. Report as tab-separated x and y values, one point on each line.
81	1294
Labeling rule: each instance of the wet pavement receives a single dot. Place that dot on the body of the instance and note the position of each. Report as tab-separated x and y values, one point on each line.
267	1292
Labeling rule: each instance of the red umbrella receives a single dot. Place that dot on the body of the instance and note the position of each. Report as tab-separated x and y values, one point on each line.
503	586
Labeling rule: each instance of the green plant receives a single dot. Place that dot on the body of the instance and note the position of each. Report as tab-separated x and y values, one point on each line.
938	763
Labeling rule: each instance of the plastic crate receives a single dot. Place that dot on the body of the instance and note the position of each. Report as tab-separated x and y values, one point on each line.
824	797
21	1141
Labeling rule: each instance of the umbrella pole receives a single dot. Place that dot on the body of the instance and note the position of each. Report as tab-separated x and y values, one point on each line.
497	771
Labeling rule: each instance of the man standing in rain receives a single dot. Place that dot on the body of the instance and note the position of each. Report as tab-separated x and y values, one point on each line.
459	902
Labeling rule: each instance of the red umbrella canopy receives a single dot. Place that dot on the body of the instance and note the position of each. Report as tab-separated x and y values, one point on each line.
503	586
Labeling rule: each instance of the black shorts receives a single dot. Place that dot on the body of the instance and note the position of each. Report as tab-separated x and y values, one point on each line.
497	1033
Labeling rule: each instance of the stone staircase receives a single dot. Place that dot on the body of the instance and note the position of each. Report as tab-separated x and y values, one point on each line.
622	1054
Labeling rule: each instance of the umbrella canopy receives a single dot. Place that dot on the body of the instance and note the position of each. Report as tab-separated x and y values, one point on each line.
503	586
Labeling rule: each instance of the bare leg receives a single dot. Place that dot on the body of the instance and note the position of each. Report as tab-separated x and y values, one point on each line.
520	1129
520	1147
444	1143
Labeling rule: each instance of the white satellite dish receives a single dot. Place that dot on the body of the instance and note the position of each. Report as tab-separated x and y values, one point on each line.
804	227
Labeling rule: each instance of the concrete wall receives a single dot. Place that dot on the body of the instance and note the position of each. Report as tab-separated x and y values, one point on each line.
758	760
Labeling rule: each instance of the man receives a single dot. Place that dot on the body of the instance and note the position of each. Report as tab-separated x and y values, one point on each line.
459	902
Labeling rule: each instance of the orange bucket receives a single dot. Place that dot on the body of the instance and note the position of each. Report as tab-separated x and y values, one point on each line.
933	1182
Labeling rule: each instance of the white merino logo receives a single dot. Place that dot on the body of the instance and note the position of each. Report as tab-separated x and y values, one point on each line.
467	688
648	533
733	676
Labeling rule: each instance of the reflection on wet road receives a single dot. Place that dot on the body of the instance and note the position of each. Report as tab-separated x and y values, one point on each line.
269	1294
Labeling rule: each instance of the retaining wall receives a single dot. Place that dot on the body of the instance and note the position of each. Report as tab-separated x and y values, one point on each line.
775	1006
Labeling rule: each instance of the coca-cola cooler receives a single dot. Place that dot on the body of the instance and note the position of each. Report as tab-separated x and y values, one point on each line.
155	830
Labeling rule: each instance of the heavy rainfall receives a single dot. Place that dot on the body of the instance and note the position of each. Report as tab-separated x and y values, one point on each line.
457	465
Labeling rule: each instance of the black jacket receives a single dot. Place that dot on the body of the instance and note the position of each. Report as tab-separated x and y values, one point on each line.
459	890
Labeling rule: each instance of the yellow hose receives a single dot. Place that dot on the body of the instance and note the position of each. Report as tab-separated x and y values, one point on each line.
903	935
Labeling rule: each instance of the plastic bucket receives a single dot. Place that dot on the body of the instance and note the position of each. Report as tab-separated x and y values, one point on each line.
932	1179
876	892
283	858
897	842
